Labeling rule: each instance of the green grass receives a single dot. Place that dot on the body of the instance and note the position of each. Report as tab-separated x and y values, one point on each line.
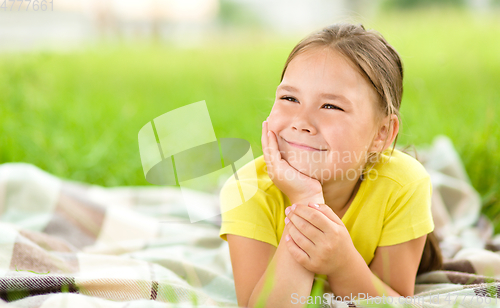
77	114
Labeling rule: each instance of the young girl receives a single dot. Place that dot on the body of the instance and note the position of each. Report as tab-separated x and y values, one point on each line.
332	199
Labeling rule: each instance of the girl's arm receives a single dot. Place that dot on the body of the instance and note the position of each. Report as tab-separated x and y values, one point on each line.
392	272
247	268
254	262
318	234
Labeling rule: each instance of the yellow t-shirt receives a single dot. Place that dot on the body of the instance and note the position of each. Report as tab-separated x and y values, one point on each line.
392	205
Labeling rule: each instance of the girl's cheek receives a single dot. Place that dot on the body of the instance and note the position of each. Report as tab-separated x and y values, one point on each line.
277	115
271	121
272	113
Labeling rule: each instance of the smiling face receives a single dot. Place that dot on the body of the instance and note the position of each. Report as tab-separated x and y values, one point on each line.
327	106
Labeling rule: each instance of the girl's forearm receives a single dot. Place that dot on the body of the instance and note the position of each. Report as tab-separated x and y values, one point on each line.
358	281
283	282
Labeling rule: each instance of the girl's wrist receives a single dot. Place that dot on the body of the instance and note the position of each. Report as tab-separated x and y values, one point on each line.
316	198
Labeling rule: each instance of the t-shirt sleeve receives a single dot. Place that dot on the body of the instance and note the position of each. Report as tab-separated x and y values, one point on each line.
409	215
253	219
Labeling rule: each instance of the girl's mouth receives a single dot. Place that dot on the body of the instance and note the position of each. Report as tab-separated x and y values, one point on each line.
302	147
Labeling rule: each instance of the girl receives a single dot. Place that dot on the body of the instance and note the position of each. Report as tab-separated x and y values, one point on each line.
332	199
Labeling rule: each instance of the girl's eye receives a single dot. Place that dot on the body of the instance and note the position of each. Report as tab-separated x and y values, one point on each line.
289	98
333	107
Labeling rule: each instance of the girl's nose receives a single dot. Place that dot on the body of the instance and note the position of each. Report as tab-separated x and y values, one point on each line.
301	123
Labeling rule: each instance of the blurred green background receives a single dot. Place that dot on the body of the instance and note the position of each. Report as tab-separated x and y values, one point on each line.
77	114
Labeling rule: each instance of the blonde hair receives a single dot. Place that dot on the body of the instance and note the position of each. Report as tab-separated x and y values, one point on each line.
372	56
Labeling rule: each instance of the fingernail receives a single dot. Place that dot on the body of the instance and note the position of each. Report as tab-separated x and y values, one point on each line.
287	220
316	205
263	123
287	211
287	237
294	206
268	133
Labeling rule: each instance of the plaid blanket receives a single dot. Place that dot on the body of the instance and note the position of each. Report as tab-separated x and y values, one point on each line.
69	244
65	243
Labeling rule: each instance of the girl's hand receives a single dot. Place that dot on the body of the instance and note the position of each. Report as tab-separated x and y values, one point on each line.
297	186
318	239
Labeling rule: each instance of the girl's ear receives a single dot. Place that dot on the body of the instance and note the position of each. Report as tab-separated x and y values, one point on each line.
386	133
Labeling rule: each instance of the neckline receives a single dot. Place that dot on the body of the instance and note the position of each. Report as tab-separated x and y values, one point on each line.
347	215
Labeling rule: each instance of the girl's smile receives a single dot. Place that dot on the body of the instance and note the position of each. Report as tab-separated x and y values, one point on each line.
303	146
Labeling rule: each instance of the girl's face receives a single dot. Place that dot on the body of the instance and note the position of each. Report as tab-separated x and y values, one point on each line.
328	106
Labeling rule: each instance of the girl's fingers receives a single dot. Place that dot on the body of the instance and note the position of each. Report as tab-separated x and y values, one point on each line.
313	215
298	254
298	243
265	144
268	158
311	232
328	212
273	147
